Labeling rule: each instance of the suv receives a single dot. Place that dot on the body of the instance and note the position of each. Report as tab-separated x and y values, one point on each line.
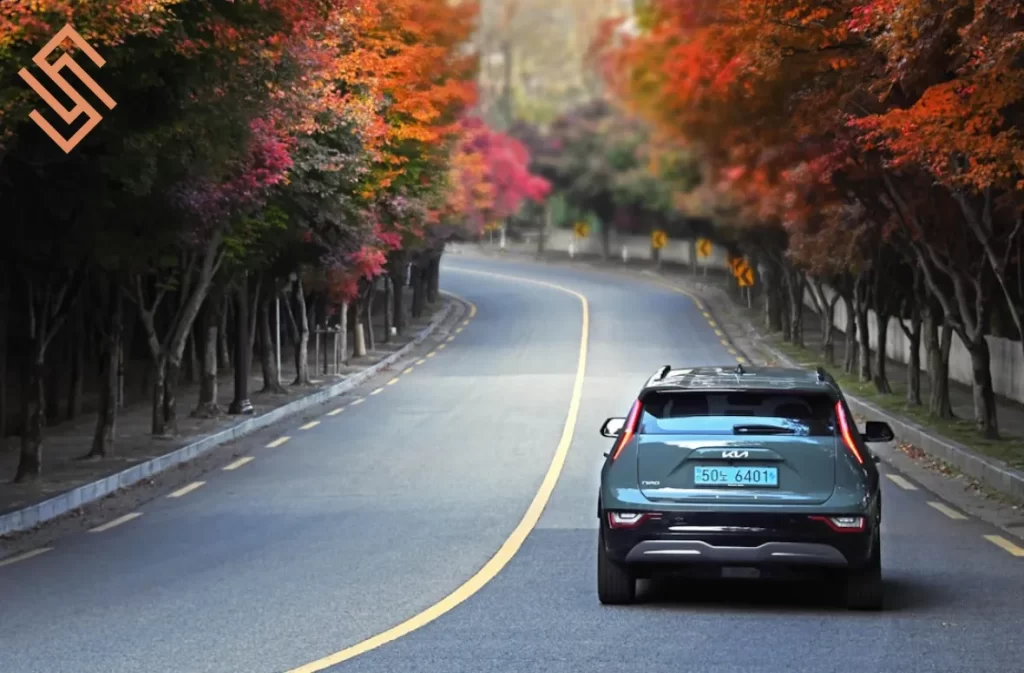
759	470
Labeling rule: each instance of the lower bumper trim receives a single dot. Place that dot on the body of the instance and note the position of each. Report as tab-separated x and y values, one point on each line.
695	551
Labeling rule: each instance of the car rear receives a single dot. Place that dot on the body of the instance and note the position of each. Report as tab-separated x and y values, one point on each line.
768	479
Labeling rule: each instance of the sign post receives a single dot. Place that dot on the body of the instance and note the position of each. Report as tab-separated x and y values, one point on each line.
704	252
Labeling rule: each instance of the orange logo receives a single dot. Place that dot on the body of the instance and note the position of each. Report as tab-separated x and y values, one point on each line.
81	105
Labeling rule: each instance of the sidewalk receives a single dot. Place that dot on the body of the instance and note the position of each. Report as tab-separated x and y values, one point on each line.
950	447
64	445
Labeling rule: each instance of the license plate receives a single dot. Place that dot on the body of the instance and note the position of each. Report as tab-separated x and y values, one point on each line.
736	476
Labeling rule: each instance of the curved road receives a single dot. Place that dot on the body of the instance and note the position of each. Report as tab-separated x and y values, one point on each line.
376	514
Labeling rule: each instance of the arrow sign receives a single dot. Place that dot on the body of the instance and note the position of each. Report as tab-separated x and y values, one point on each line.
745	276
703	247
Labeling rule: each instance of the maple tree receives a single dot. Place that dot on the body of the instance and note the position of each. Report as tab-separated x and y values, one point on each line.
855	144
253	139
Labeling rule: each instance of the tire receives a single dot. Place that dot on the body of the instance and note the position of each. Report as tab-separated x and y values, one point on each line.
864	587
616	585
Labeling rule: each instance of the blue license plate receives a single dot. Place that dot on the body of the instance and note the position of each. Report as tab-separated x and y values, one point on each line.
736	476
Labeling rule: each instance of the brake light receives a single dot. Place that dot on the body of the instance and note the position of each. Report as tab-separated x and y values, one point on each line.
842	524
844	431
629	519
632	423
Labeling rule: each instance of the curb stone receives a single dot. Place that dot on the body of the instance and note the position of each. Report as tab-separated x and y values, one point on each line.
991	472
39	513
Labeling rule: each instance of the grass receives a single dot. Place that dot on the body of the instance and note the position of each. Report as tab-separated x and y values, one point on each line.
1009	449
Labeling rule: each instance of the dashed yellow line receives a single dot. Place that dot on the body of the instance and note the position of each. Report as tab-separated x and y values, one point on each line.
719	333
431	354
732	351
24	557
740	360
357	401
278	442
1005	544
185	490
421	361
712	323
408	370
310	425
116	522
948	511
377	391
442	347
450	339
459	329
901	482
393	381
238	463
335	412
707	315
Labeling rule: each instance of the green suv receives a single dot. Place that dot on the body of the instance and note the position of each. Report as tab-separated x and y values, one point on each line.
727	471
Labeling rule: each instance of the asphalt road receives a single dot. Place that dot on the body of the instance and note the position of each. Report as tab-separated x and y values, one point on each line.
376	514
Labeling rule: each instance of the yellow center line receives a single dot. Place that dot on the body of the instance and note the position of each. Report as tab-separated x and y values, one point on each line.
116	522
707	315
901	482
459	330
1000	541
948	511
450	339
431	354
740	359
186	489
278	442
24	557
718	333
732	351
408	370
441	347
712	323
512	545
393	381
309	426
357	401
377	391
421	361
335	412
238	463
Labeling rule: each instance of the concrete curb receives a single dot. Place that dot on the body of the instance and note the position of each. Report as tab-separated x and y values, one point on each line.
47	510
989	471
993	473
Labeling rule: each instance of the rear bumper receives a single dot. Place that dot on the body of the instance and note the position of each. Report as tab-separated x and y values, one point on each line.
697	551
735	539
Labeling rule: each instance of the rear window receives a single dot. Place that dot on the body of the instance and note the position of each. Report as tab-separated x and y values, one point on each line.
747	412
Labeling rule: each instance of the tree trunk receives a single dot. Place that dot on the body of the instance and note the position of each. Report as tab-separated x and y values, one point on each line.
418	289
191	357
389	304
252	310
243	347
939	348
343	332
863	334
30	462
850	344
5	309
913	334
211	321
434	279
985	410
396	269
795	289
51	381
359	336
302	342
882	322
371	341
159	372
223	333
106	414
268	363
171	379
77	363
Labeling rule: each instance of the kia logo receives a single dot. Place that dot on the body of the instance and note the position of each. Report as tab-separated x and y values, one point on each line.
735	454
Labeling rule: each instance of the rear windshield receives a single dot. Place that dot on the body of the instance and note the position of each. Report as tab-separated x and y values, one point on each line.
745	412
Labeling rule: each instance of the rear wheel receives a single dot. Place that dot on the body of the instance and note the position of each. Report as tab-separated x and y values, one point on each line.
864	589
616	585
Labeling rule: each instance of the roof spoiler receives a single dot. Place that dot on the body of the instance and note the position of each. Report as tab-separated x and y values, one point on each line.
662	373
823	376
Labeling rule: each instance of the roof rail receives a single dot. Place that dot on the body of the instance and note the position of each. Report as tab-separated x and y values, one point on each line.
662	373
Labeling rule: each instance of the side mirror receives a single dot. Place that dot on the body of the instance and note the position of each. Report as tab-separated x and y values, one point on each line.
613	427
878	432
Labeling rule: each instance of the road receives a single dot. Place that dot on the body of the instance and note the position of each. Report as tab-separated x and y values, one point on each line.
376	514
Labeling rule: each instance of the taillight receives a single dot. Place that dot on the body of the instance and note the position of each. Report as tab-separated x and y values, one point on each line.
628	430
842	524
844	431
629	519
